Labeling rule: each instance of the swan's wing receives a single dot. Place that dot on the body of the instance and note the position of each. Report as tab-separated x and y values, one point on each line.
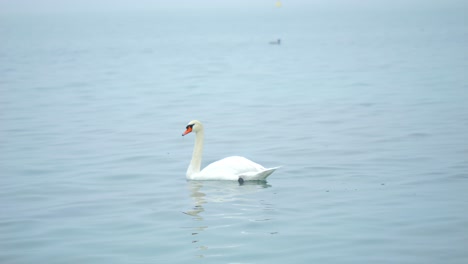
230	168
233	168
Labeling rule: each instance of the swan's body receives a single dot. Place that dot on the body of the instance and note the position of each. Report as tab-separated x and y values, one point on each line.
233	168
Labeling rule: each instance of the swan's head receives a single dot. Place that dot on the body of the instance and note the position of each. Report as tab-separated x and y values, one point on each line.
193	126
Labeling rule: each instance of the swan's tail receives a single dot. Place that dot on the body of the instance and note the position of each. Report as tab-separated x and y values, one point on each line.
259	176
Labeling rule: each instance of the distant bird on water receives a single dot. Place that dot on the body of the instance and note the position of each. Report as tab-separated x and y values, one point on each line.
276	42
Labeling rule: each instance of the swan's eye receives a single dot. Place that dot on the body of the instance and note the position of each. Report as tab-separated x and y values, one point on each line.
191	126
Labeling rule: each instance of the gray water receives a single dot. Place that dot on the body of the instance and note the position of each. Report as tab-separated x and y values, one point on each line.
363	107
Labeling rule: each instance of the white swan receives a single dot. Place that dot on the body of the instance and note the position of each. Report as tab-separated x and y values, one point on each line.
233	168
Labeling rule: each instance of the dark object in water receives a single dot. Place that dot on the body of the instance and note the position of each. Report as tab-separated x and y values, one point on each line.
240	180
277	42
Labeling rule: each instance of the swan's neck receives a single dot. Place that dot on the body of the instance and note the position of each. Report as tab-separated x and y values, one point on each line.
195	163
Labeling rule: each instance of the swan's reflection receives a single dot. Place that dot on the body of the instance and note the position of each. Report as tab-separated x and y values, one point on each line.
198	198
203	192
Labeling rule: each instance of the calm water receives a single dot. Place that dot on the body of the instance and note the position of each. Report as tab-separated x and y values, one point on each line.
365	109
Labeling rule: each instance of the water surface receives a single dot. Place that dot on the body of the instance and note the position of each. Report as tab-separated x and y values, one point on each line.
364	109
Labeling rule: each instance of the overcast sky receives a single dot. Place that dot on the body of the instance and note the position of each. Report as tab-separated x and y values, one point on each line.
57	6
71	6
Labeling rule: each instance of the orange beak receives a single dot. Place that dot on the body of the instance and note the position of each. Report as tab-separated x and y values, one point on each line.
189	129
